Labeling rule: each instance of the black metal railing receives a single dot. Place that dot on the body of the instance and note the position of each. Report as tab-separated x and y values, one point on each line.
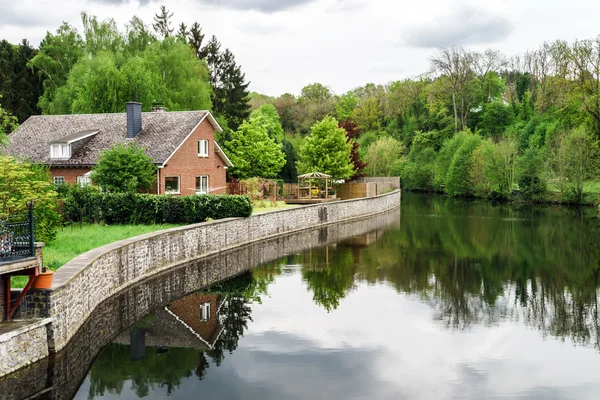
16	237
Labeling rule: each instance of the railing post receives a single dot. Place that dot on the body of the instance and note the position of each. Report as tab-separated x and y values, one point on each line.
31	229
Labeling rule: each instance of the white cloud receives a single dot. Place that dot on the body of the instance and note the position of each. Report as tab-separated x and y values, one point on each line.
283	46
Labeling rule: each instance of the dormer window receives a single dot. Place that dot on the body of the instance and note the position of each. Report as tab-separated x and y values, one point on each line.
60	151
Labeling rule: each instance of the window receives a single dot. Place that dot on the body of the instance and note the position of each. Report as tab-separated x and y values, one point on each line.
172	184
60	151
84	181
58	180
202	148
202	185
204	312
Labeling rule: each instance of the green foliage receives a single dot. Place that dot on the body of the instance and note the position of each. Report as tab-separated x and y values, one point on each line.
253	152
384	157
124	169
21	87
267	117
345	106
289	173
578	161
20	183
368	114
492	172
457	178
326	150
530	174
89	205
8	123
419	171
366	140
164	70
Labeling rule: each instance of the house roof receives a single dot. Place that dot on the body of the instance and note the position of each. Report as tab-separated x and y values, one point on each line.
162	133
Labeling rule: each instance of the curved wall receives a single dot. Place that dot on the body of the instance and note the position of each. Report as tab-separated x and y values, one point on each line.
88	280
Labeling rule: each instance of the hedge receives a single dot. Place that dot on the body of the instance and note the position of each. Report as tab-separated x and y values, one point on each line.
89	205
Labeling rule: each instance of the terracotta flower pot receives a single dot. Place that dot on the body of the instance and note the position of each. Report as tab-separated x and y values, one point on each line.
43	281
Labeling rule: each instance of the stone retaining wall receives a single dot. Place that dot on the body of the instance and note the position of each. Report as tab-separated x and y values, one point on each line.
23	346
2	306
83	283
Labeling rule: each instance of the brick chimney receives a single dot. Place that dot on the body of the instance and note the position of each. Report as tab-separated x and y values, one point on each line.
134	119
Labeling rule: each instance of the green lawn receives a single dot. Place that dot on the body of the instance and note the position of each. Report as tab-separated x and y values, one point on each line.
74	240
280	206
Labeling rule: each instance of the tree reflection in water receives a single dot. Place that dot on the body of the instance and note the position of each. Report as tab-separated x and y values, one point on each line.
472	262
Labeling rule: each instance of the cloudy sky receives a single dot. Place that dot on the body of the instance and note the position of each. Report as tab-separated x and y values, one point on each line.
284	45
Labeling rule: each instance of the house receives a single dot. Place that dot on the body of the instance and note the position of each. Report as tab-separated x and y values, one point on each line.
181	144
194	321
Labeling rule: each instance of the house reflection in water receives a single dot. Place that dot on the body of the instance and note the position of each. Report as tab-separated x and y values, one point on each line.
190	322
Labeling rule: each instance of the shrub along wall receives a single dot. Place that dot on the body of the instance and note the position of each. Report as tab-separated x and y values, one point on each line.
87	205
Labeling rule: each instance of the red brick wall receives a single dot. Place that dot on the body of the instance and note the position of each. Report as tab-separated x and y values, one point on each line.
70	174
186	164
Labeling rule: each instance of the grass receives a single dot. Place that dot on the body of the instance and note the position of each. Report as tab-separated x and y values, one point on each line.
74	240
281	205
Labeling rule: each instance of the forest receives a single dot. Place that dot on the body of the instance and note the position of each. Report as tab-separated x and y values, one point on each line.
522	127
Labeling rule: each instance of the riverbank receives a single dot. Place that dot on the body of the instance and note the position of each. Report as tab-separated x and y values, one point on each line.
82	284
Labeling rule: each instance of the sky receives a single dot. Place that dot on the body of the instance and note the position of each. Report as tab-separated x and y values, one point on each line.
284	45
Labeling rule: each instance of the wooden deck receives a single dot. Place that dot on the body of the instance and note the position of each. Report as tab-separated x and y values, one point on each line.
15	264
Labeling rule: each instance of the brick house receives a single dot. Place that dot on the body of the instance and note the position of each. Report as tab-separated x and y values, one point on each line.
181	144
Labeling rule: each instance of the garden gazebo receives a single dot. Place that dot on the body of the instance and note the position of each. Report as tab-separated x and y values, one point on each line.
315	185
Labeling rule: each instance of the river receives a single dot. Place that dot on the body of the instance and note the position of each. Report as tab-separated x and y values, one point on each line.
451	299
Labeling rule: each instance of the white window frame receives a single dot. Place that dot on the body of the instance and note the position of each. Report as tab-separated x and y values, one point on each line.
58	180
202	148
199	190
60	151
204	312
178	184
84	181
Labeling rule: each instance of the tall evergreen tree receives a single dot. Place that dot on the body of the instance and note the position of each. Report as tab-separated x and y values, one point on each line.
231	95
162	23
182	32
20	87
195	39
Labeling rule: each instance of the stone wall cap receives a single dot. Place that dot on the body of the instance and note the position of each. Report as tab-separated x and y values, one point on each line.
22	327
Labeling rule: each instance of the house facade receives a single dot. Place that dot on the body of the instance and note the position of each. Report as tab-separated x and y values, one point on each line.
181	144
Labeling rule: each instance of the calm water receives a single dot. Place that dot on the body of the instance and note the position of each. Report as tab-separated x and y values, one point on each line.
456	300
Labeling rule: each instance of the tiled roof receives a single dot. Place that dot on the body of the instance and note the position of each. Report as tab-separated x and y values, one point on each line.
161	134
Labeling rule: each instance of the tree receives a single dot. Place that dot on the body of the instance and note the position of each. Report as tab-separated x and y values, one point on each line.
21	183
385	157
267	117
344	108
162	23
316	101
124	169
352	132
195	39
578	161
8	123
164	71
101	35
230	89
456	65
368	115
253	153
585	55
137	37
57	55
182	33
326	150
288	173
20	87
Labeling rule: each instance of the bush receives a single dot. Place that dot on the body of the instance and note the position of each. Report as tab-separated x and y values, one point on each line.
458	182
87	204
124	169
530	175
